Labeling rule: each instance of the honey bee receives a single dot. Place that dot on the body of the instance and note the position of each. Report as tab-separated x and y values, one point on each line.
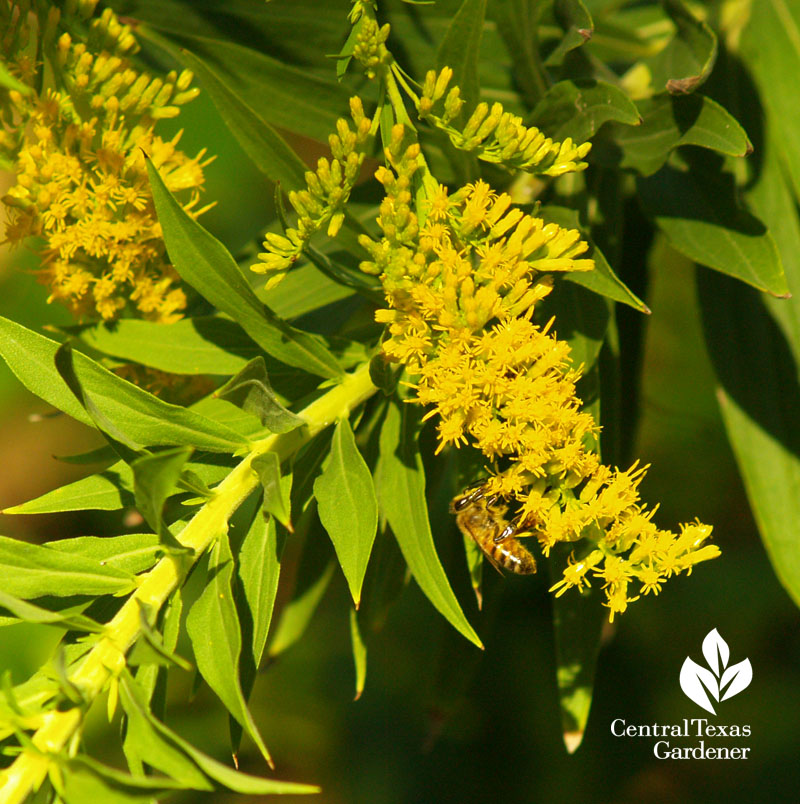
477	518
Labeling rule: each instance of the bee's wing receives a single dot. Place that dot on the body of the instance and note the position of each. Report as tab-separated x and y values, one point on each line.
490	559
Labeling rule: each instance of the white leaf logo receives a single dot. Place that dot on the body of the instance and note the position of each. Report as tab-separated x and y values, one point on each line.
701	685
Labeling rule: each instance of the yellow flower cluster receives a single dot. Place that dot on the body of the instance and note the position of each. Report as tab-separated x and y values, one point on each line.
75	133
323	201
462	286
495	135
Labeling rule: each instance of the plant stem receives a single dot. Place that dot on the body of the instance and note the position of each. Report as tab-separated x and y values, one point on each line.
107	657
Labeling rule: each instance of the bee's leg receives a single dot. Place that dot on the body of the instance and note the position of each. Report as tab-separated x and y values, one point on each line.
460	503
508	530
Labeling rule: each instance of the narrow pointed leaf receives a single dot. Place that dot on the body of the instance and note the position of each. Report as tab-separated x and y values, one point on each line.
460	49
154	480
30	571
250	390
213	627
359	648
698	211
400	482
109	490
601	279
578	622
203	345
71	618
153	747
259	571
142	417
347	505
268	150
207	266
297	614
133	552
268	467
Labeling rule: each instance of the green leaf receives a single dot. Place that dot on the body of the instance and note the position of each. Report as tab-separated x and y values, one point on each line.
30	571
213	628
268	468
304	289
154	480
578	108
667	123
151	648
278	93
602	278
152	745
250	390
133	552
698	211
516	22
142	417
400	482
581	319
359	653
259	571
82	779
347	506
268	150
222	774
460	49
770	48
70	618
10	82
204	345
760	404
578	622
298	612
686	62
109	490
475	562
208	267
576	22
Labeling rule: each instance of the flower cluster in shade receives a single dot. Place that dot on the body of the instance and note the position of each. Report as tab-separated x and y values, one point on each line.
463	274
75	129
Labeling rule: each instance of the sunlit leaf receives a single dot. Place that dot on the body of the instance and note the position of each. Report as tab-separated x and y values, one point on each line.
400	483
142	417
250	390
206	264
213	627
347	505
30	571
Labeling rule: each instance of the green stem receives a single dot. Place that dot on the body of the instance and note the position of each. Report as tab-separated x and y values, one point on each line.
107	658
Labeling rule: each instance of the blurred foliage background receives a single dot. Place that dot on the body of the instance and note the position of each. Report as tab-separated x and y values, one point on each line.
438	721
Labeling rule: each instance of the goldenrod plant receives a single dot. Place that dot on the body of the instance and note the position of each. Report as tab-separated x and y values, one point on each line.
435	290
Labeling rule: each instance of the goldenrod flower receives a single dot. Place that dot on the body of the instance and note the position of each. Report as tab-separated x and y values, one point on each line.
77	140
462	288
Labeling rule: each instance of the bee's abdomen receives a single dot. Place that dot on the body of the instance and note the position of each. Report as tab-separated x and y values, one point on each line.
514	557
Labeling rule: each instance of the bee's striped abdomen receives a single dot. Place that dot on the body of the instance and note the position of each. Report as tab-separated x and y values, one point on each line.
513	556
